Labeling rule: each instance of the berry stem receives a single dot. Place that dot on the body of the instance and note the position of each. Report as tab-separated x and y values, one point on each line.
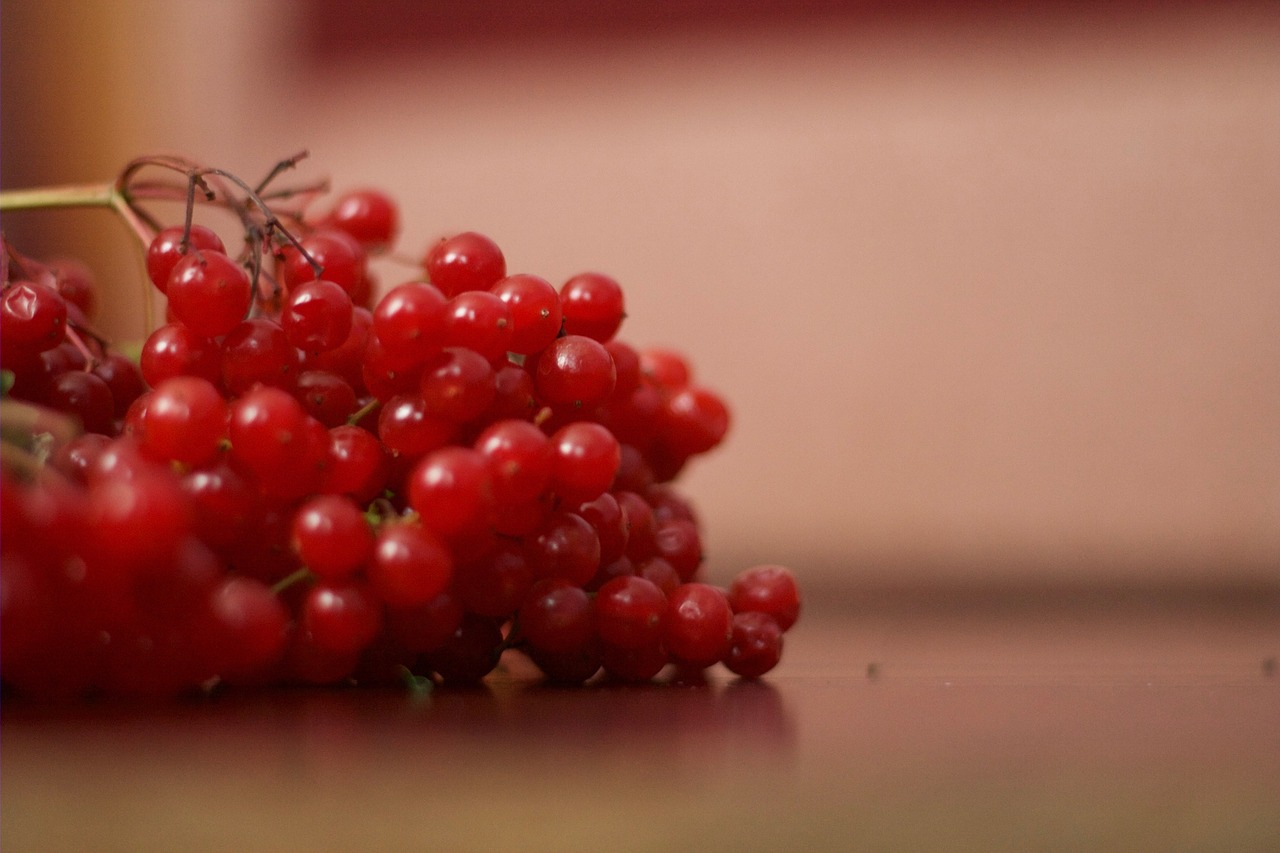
364	411
78	195
301	575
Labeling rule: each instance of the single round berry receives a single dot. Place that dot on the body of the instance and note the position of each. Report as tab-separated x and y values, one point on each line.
340	257
209	293
185	421
699	628
756	646
410	566
585	459
341	616
33	316
331	536
520	460
175	350
317	316
769	589
593	306
557	617
466	261
409	321
574	371
535	311
564	546
451	489
458	385
694	420
481	321
368	215
258	351
631	612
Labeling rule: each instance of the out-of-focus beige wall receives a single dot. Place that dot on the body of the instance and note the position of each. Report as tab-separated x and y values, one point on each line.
993	296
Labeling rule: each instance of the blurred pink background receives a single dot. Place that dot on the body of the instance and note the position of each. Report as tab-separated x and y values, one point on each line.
994	294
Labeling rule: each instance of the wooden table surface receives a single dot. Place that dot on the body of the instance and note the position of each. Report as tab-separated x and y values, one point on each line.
1050	729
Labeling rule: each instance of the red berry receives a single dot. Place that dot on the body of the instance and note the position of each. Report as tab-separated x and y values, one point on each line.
756	647
535	311
166	250
317	316
341	616
593	306
564	546
33	316
409	321
451	489
574	371
479	320
368	215
209	293
520	460
467	261
185	421
768	589
331	536
584	462
175	350
631	612
410	566
699	628
340	257
557	617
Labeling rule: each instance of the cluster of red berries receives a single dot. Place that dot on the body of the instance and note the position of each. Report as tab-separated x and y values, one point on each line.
302	482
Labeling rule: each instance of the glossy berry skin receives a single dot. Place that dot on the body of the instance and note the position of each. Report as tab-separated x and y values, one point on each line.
358	465
266	425
458	385
631	613
408	430
340	257
585	459
258	351
317	316
694	420
452	490
185	421
756	646
86	396
331	536
209	293
520	460
699	627
768	589
566	546
247	628
593	306
175	350
326	396
33	316
574	371
341	616
166	249
409	322
535	311
368	215
557	617
466	261
410	565
480	321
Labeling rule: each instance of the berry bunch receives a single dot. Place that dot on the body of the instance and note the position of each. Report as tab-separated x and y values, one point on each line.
309	478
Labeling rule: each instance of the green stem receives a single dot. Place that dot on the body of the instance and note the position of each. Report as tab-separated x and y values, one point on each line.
287	581
82	195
